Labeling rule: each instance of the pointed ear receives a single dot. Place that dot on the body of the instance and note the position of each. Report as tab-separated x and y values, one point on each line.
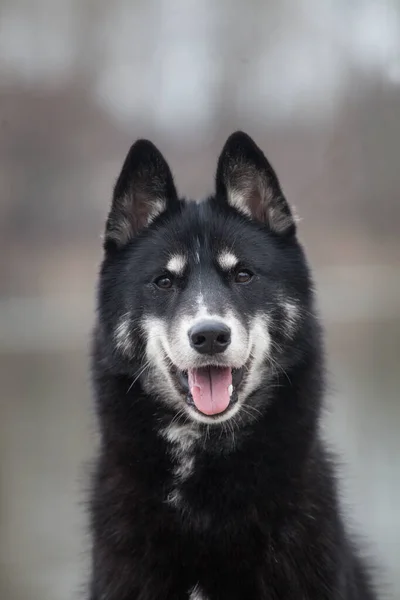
143	191
248	183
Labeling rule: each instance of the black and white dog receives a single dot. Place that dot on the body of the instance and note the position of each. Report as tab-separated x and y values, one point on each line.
212	482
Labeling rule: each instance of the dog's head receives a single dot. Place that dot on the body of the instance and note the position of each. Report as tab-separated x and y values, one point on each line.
203	303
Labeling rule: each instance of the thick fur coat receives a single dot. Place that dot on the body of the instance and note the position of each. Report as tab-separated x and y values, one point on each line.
212	482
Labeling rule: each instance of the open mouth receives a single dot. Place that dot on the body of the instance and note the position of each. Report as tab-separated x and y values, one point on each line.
211	390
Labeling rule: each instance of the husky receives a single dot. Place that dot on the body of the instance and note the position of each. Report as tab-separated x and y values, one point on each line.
212	480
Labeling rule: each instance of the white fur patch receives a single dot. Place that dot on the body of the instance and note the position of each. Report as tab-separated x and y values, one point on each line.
238	200
196	593
197	253
181	439
185	357
157	351
183	436
121	231
260	350
185	467
239	196
227	260
174	498
292	316
121	226
176	264
122	334
251	347
157	207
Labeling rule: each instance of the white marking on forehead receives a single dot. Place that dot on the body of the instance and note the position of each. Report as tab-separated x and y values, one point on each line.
203	310
177	264
227	260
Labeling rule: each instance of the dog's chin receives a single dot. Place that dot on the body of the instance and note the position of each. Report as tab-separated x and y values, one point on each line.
195	408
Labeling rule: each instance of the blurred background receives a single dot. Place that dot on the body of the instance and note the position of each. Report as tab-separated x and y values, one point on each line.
317	84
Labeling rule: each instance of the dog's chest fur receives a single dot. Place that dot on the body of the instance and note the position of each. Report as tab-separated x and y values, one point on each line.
182	442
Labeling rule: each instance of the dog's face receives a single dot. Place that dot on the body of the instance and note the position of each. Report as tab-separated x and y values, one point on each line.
203	302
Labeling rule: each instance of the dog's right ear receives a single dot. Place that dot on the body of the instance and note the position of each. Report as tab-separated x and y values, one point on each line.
144	189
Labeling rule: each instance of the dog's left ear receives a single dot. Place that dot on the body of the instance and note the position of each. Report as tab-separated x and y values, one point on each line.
248	183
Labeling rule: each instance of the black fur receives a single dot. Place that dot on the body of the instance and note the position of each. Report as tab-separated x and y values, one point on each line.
259	516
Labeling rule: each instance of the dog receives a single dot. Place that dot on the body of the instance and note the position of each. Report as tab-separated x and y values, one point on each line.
212	481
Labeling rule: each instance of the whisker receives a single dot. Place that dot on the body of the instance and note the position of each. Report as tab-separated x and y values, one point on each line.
138	374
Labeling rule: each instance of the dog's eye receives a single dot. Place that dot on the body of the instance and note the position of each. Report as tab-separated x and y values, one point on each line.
163	282
243	276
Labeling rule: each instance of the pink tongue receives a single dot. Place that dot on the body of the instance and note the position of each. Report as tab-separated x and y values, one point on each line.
209	387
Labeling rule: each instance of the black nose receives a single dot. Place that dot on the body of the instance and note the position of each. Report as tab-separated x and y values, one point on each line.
210	337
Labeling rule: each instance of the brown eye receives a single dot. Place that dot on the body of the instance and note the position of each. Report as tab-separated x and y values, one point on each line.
243	276
164	283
